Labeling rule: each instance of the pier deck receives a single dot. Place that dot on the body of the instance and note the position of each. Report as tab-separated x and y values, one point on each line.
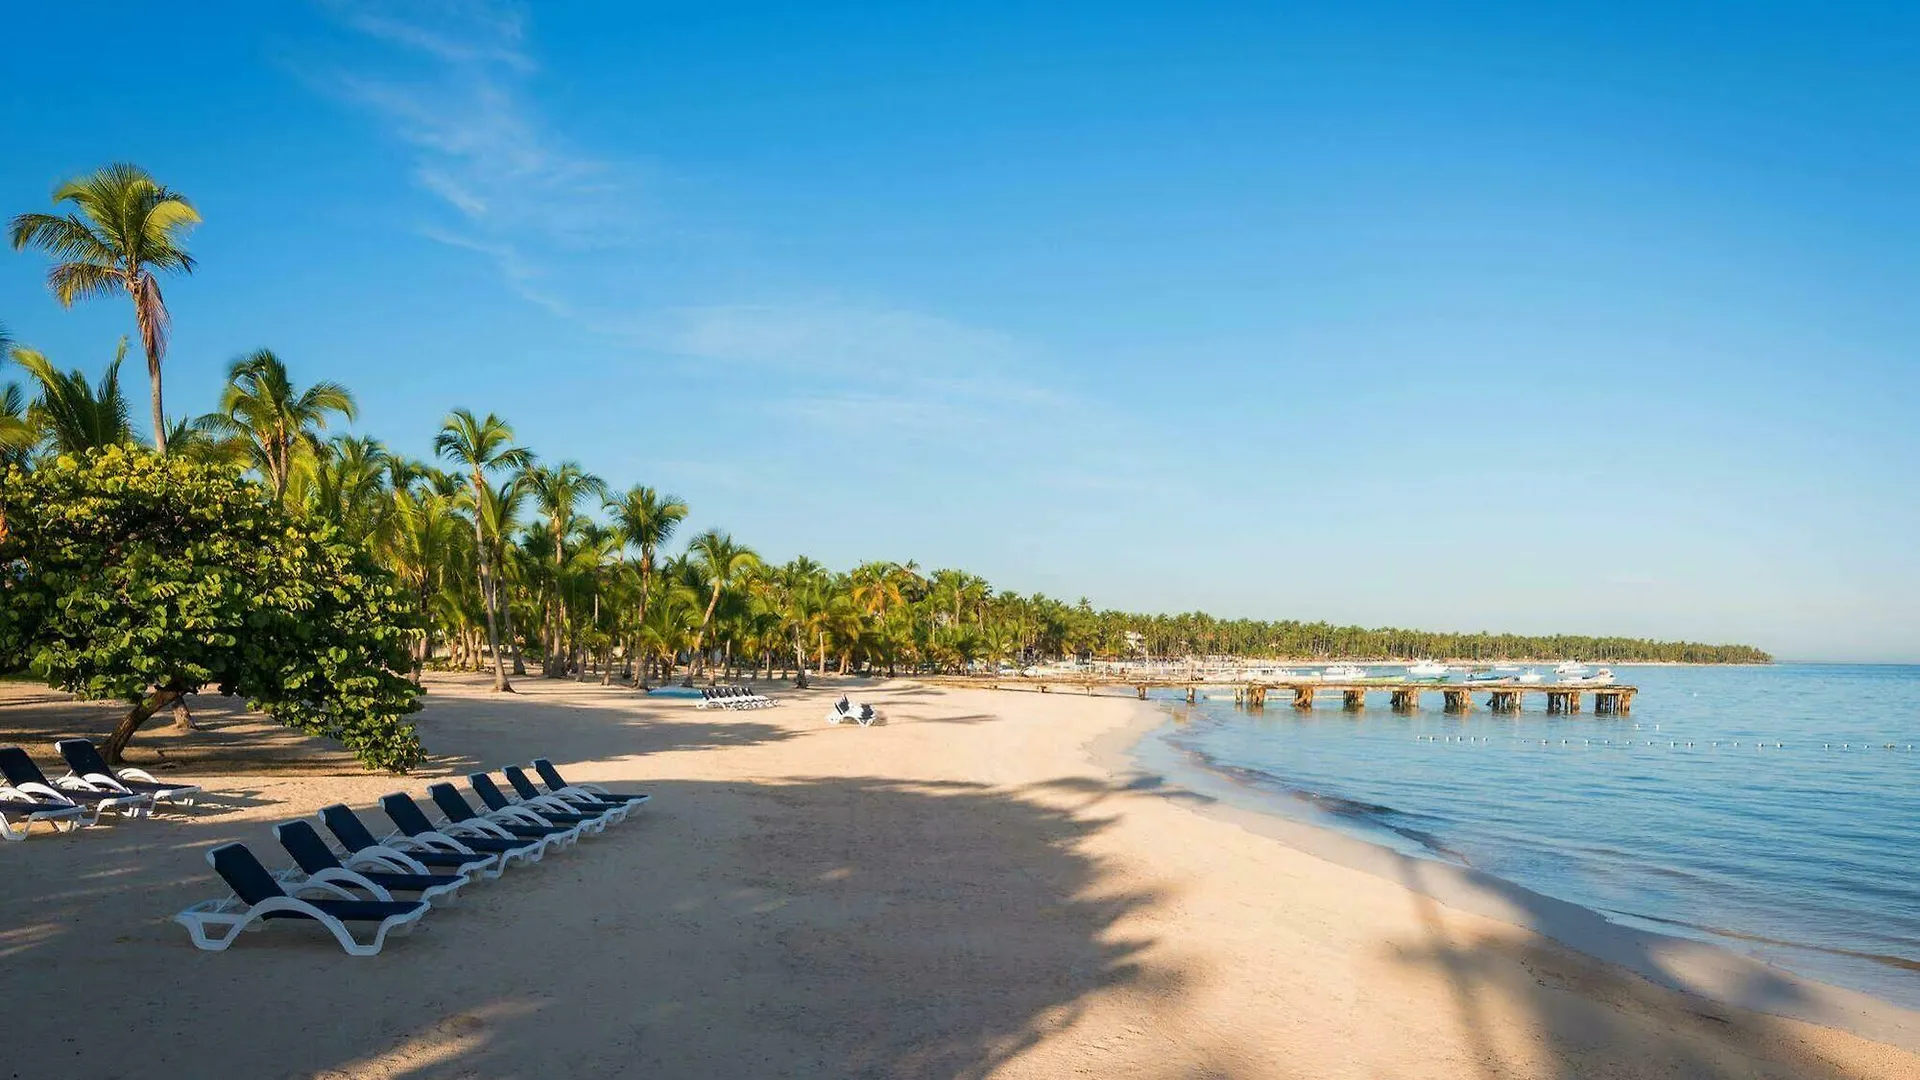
1609	699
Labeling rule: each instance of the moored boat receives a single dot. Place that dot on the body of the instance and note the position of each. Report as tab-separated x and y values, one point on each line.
1343	673
1427	669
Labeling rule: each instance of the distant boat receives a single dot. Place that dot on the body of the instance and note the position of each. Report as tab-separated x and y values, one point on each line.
1530	676
1427	669
1571	667
1340	672
1602	677
1508	668
1486	676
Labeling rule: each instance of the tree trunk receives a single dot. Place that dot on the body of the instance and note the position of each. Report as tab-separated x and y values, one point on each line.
150	343
123	732
487	597
513	640
700	657
182	717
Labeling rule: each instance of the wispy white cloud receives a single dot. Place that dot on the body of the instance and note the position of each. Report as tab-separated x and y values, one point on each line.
453	80
452	88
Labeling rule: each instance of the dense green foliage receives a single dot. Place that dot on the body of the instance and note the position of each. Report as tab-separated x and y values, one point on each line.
127	573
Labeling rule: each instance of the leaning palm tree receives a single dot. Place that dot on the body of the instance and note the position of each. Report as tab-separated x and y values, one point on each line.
262	411
724	561
71	416
482	447
127	229
645	519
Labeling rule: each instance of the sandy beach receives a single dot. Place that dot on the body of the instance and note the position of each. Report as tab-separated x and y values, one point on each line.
982	886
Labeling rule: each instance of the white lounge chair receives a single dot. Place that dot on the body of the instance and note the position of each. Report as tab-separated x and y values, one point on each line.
257	897
25	777
18	807
91	769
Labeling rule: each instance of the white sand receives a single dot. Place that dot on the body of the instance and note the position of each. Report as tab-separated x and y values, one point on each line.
976	888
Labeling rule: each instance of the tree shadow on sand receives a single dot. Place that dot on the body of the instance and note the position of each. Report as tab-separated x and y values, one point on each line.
1582	1016
797	936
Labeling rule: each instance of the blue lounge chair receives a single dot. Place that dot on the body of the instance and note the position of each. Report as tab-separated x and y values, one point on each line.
548	808
258	897
25	777
312	855
88	765
412	820
402	853
611	810
514	823
550	776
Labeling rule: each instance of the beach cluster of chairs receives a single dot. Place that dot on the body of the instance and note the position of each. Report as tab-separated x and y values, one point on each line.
77	800
846	710
733	697
353	884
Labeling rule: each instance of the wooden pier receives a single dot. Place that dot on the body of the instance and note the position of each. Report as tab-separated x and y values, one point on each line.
1612	699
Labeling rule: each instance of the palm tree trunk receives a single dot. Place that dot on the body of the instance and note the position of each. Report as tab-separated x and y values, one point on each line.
487	597
699	657
150	343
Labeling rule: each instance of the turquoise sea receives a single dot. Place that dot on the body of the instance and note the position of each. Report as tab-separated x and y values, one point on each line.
1771	810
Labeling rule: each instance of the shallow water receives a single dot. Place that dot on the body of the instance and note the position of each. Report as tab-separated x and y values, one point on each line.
1758	808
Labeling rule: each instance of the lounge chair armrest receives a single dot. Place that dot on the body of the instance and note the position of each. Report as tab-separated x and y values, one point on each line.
381	857
434	840
520	815
321	884
477	827
42	791
141	775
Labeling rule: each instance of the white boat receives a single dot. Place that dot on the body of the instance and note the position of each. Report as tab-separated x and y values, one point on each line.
1343	672
1428	669
1602	677
1571	667
1507	669
1530	677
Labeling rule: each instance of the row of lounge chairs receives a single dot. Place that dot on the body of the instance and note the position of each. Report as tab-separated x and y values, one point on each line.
74	801
355	884
846	710
733	697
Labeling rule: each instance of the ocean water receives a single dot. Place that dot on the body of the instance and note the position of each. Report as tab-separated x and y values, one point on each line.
1759	808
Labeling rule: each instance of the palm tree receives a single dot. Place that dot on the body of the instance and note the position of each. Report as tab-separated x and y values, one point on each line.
481	447
724	560
557	490
261	410
69	414
645	520
128	229
16	432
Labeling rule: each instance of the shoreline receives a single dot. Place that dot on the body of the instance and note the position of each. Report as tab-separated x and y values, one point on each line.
979	886
1700	969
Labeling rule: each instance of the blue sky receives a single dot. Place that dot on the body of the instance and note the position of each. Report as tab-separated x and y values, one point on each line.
1576	317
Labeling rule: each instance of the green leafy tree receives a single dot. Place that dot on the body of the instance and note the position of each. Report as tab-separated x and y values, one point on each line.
125	230
146	578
